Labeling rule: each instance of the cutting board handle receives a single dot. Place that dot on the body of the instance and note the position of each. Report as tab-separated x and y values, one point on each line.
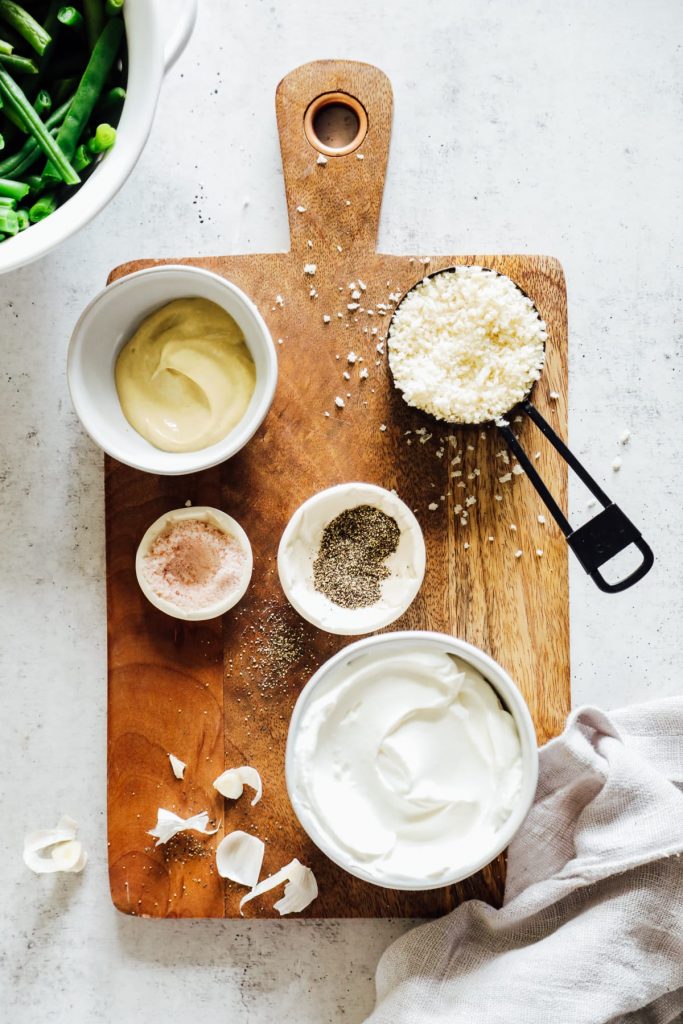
334	201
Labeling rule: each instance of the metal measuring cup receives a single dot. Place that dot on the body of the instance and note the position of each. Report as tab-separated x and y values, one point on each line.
607	533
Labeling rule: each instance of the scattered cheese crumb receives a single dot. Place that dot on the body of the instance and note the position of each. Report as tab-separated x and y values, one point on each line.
364	374
362	285
279	301
541	520
310	268
359	156
326	318
513	527
539	552
346	375
518	553
301	209
490	540
506	478
355	294
339	402
309	243
352	306
351	358
313	293
383	427
616	464
625	437
554	395
279	341
322	160
517	469
466	546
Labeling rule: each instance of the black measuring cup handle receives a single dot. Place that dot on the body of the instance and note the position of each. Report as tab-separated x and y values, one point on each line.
603	536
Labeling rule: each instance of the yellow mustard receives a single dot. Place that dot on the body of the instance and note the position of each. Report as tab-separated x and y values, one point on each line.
186	376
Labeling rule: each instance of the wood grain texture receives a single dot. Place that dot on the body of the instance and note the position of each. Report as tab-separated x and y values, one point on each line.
217	695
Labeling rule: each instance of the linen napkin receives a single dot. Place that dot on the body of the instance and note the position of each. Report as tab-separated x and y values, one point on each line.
591	930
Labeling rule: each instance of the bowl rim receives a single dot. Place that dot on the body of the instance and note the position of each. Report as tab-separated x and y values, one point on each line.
221	450
420	552
224	522
509	694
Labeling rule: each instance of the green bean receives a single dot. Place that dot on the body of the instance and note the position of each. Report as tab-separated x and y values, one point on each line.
94	20
42	103
13	189
9	222
23	219
70	17
16	99
34	182
24	65
82	158
2	141
89	89
113	7
26	25
112	101
5	47
42	208
8	203
104	138
30	151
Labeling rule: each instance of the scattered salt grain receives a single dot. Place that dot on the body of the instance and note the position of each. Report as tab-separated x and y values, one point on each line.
616	464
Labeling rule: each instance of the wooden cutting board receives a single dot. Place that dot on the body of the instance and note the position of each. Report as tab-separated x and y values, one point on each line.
220	694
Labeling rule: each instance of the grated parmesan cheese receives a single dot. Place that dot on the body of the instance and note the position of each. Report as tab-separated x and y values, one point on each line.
466	345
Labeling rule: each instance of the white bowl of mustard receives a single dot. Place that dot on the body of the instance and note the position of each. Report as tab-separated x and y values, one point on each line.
105	328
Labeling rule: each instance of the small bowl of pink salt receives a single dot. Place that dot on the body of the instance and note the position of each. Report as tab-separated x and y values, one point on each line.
194	563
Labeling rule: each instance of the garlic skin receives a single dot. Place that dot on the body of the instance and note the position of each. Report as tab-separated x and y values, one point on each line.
301	888
178	767
47	851
232	782
239	857
169	824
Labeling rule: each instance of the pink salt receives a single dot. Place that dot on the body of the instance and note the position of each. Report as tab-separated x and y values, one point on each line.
193	564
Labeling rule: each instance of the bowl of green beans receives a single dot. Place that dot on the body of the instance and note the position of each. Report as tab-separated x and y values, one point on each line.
79	85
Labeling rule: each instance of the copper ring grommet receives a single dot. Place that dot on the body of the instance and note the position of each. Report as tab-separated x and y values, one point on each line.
339	101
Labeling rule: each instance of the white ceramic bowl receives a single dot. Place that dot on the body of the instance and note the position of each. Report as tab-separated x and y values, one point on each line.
105	326
510	697
299	547
222	521
151	52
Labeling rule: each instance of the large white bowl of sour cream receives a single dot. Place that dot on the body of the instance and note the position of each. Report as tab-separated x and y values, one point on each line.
411	759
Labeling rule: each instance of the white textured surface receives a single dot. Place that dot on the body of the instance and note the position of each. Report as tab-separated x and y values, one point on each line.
535	127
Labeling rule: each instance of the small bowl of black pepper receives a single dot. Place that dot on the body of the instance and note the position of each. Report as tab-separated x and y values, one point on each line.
352	559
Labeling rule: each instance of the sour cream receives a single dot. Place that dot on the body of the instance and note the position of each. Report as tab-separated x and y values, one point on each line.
406	764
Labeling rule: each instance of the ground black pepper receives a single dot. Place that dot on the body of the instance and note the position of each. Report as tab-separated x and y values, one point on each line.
350	564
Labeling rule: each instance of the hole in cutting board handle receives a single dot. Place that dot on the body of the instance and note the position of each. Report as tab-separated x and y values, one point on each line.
335	124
